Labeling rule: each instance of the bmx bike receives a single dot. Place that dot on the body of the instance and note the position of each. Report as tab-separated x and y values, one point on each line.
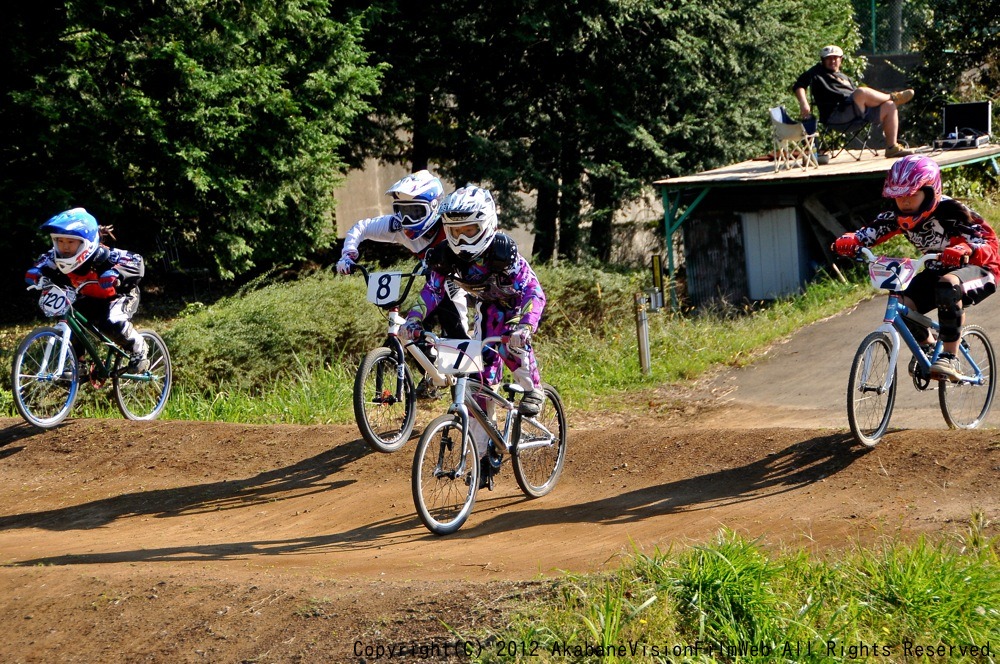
446	463
384	393
871	389
46	375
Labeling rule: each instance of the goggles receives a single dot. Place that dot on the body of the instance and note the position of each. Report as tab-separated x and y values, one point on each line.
411	212
458	232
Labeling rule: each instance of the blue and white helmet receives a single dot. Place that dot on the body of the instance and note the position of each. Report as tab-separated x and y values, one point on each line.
76	224
470	221
415	201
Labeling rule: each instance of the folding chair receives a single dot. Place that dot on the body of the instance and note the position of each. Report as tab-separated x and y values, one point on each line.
794	145
835	139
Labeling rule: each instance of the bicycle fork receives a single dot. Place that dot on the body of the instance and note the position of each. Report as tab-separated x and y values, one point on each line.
65	344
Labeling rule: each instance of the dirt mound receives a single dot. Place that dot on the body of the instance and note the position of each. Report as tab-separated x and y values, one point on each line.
178	541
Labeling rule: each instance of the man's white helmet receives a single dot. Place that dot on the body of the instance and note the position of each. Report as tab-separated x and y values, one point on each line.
470	221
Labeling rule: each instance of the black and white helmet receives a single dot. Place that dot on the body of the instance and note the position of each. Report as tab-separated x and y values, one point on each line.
470	221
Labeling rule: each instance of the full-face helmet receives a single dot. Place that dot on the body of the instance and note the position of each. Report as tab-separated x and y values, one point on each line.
75	224
470	221
909	175
415	200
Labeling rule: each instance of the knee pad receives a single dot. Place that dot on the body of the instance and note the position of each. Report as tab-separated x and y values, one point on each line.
949	305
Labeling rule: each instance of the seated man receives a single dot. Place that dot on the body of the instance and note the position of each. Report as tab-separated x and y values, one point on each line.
841	103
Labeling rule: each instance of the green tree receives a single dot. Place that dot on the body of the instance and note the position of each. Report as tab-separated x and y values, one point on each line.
581	104
961	59
215	129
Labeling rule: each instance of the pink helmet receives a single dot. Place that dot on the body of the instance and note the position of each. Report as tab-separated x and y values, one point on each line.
908	176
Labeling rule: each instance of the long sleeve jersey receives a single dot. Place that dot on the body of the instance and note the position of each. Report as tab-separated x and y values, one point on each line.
387	228
500	277
129	266
951	222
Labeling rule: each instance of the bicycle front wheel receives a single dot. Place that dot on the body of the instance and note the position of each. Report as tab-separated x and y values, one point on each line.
41	397
965	405
540	450
385	421
143	396
445	476
869	401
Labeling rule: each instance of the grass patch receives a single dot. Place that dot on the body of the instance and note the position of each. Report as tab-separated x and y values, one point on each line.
733	600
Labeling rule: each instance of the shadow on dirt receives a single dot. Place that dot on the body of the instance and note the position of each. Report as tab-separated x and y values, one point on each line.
306	477
794	467
16	433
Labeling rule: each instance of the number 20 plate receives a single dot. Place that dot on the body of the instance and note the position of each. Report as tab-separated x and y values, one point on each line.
383	287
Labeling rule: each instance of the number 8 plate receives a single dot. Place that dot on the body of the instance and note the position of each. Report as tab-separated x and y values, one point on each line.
383	287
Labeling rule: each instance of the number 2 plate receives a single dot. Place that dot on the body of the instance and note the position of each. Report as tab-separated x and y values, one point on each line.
383	287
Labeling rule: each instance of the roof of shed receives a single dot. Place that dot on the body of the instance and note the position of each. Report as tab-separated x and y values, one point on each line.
844	167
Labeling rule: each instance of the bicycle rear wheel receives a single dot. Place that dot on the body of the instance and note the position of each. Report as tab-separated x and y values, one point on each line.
965	405
384	421
143	396
42	398
445	476
540	450
869	403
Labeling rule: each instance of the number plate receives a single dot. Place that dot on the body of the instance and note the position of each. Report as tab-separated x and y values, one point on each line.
892	274
383	287
457	356
55	301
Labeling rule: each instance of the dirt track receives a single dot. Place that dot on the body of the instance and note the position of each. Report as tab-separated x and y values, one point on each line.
175	541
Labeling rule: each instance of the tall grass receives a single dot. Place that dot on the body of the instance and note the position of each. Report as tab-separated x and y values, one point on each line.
732	600
287	352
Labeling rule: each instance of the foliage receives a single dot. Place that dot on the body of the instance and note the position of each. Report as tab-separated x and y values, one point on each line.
206	133
583	103
961	59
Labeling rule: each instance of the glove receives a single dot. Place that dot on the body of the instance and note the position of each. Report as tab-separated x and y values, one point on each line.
847	245
956	255
33	276
108	279
346	263
414	329
520	337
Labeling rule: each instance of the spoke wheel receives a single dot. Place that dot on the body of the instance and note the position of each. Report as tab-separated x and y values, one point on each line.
42	398
869	403
540	451
966	405
445	476
384	421
143	396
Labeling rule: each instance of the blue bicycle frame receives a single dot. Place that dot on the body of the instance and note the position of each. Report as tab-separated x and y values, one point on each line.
894	327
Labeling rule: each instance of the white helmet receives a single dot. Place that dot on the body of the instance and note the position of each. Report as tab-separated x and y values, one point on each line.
470	221
827	51
415	201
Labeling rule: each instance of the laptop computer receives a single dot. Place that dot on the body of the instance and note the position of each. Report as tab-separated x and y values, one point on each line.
966	125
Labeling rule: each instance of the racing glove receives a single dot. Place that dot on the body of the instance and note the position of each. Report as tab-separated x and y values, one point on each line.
108	279
520	337
347	261
33	276
956	255
413	329
847	245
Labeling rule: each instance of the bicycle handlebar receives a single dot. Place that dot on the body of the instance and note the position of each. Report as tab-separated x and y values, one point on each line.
870	256
45	282
435	339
